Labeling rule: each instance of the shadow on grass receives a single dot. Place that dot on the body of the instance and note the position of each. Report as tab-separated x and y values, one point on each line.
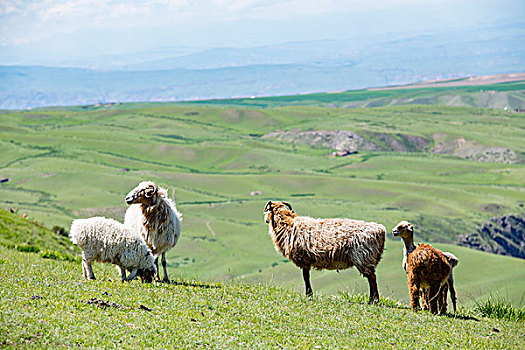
461	317
196	284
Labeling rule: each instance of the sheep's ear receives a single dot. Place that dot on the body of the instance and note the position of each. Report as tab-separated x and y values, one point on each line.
288	205
268	206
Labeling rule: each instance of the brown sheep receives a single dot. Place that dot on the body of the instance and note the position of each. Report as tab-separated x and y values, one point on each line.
426	266
333	244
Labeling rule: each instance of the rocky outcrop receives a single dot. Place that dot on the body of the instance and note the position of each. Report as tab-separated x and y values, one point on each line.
472	150
345	140
503	235
442	143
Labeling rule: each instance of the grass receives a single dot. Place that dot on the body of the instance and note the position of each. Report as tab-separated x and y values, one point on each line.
497	307
79	162
47	304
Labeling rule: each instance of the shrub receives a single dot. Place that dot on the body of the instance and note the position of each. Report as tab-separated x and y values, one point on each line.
28	248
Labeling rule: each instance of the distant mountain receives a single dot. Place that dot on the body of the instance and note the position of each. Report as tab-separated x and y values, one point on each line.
288	68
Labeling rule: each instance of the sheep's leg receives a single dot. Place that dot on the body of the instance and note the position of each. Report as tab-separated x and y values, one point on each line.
413	289
166	279
374	293
433	295
306	277
157	273
132	274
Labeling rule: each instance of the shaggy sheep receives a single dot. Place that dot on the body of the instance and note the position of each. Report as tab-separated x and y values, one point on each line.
447	286
109	241
426	266
333	244
155	216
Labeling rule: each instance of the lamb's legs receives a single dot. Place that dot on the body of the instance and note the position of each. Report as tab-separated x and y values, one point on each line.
166	279
306	277
433	295
413	289
452	292
442	299
122	272
374	293
132	274
84	269
89	269
424	299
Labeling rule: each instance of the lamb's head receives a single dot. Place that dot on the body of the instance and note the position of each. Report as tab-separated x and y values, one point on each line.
451	258
404	230
273	209
145	193
148	270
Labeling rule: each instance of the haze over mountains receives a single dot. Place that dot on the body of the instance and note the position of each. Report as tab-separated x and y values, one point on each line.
185	73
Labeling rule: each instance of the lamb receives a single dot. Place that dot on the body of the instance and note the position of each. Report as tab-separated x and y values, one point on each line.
109	241
333	244
426	266
155	216
448	286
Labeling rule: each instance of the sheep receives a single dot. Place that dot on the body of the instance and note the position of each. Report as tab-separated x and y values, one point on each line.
333	244
109	241
157	219
426	267
448	286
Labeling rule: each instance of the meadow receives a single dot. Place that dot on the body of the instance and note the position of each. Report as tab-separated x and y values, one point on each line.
44	303
63	163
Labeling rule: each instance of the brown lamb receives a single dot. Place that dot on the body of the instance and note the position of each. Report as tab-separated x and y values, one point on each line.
448	286
426	267
332	244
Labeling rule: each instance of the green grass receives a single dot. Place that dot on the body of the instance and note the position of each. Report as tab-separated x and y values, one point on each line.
79	162
499	308
47	304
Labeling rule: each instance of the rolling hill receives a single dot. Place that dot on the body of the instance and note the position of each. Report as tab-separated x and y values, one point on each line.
62	163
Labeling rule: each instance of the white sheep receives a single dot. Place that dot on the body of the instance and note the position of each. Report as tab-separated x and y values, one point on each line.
109	241
333	244
157	219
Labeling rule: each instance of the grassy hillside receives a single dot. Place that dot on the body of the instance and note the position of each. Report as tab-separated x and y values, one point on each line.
46	304
79	162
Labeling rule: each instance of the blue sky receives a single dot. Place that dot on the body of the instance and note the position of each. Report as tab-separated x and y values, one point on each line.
103	27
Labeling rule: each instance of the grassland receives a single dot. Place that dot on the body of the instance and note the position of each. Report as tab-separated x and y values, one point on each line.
44	303
81	161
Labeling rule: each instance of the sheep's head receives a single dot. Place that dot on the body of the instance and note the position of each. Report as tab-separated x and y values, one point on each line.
145	193
272	208
404	230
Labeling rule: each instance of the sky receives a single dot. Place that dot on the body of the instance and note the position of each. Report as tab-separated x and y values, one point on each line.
73	28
